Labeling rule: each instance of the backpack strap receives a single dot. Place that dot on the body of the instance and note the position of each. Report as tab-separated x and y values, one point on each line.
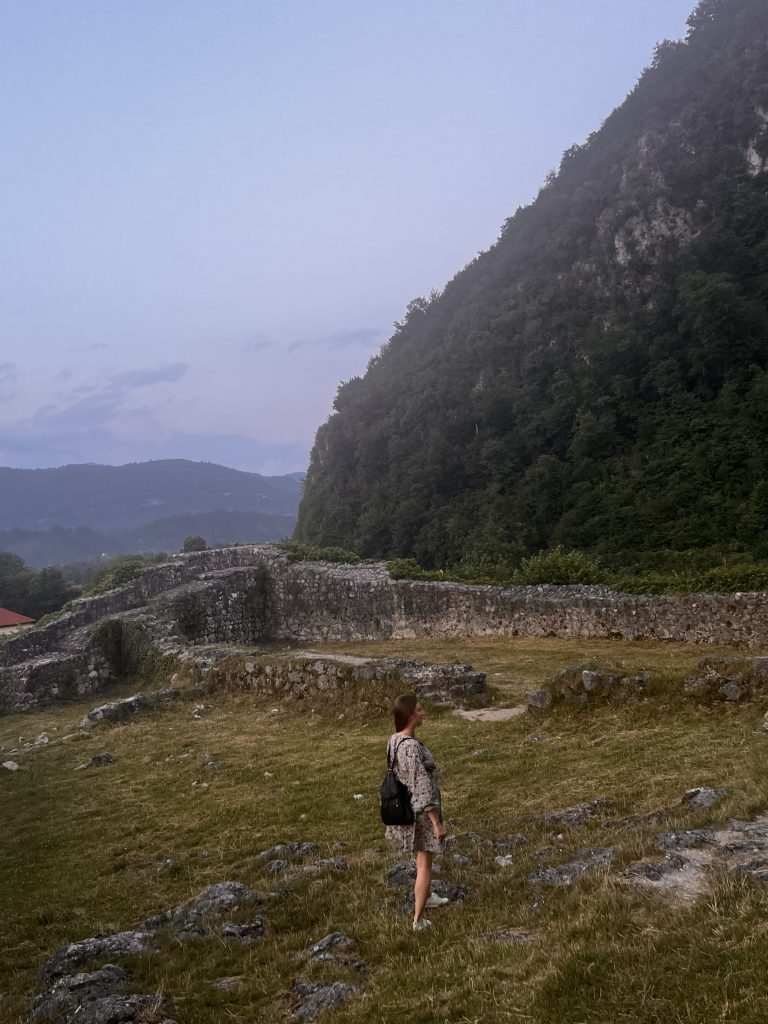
391	764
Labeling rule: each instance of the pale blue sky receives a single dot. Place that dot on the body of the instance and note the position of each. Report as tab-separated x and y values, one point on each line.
212	211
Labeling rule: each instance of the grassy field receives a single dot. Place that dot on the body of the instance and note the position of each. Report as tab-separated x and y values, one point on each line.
83	852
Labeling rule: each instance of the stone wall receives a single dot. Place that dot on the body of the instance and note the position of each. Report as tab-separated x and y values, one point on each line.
302	675
254	594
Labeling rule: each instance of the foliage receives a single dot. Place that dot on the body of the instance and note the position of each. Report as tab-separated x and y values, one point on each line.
298	552
193	543
558	566
28	591
116	572
679	573
598	379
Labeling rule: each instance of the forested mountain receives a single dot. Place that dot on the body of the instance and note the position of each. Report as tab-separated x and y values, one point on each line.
599	377
115	498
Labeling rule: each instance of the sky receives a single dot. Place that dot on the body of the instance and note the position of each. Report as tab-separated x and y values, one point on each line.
213	211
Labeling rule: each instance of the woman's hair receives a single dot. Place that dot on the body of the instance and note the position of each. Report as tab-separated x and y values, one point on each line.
403	708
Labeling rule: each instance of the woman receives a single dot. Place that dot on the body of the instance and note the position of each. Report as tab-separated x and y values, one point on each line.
415	768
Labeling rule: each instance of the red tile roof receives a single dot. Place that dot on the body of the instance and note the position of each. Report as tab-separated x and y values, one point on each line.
12	619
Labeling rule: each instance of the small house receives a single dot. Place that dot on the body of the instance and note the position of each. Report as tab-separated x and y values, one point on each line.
12	622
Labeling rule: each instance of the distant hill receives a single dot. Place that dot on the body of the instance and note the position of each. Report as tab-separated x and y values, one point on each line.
62	545
118	498
599	377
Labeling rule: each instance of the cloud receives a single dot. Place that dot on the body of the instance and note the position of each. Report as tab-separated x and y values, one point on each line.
354	337
93	347
131	379
257	345
8	376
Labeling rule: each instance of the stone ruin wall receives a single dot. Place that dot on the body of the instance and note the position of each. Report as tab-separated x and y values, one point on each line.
254	594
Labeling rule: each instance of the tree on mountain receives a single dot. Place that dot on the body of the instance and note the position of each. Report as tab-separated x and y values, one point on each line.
193	544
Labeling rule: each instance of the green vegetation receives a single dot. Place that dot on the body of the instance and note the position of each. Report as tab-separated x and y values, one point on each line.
560	567
116	572
29	591
598	378
298	552
83	852
193	543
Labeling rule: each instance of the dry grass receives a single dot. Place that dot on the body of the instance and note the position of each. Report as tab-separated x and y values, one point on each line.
81	851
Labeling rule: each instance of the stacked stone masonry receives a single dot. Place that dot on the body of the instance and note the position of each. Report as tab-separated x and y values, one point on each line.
255	594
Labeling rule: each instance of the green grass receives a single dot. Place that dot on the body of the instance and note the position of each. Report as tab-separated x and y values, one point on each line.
81	851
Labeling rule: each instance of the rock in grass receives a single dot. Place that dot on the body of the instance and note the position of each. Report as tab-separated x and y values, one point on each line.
539	699
654	871
686	840
123	1009
702	796
507	936
566	874
119	710
283	850
65	961
220	897
329	864
245	934
62	1000
316	998
403	873
232	984
578	814
336	948
10	766
104	758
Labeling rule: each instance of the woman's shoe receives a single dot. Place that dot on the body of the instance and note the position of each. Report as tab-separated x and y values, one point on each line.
433	900
419	926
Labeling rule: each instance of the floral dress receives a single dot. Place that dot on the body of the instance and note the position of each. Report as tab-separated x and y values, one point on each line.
415	767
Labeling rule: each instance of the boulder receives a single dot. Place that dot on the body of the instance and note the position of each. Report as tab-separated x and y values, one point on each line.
701	797
66	960
314	999
539	699
64	997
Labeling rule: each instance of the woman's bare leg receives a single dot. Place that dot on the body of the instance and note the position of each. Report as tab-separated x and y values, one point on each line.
423	882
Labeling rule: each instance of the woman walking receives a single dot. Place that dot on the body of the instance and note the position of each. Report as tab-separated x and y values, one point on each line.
414	766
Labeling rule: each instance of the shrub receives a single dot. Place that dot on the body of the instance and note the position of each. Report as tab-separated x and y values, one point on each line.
559	567
193	543
298	552
409	569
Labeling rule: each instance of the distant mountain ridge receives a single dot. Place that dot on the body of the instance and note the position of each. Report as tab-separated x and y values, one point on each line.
117	498
62	545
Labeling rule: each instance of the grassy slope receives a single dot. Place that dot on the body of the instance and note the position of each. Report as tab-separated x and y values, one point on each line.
80	851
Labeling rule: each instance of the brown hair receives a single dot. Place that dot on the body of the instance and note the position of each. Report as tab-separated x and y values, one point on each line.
403	708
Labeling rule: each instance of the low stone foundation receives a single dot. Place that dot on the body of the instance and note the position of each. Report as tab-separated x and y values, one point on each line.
306	674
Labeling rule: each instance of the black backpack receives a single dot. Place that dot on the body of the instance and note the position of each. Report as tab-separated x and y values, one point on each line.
395	799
